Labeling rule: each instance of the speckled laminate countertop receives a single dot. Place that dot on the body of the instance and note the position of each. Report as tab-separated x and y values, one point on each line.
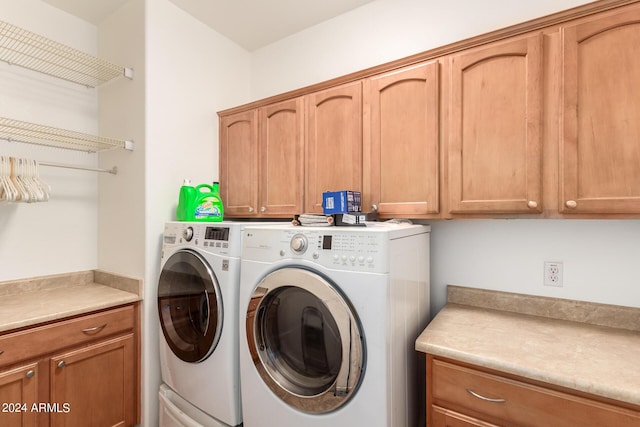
28	302
593	348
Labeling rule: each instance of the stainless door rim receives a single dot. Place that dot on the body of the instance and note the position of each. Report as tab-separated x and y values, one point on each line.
351	340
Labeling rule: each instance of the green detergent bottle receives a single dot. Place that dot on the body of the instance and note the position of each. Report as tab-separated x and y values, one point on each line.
185	208
208	205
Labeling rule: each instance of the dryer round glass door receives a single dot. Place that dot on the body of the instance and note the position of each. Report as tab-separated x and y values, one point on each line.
305	340
190	306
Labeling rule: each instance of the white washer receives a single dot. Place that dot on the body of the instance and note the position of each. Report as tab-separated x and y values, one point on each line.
198	310
328	318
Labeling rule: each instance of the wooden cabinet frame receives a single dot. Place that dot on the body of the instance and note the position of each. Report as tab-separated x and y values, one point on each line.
87	366
542	177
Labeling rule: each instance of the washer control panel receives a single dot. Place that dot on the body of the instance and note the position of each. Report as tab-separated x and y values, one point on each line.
345	248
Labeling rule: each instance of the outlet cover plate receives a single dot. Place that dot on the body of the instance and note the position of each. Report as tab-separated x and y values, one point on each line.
553	273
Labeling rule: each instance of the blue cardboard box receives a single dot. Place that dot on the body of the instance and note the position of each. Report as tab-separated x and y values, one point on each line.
334	202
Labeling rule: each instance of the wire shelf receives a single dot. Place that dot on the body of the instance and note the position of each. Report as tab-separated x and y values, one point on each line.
29	50
16	130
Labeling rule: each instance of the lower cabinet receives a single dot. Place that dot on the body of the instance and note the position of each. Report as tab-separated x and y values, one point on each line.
18	394
464	395
75	372
93	384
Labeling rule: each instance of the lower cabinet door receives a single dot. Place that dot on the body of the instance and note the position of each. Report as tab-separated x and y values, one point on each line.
18	395
94	385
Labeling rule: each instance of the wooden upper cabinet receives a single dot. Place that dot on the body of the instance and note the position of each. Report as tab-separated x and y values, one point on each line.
239	163
494	132
600	123
334	143
401	141
281	154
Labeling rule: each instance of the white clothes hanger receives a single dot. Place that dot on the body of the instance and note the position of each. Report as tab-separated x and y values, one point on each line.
20	181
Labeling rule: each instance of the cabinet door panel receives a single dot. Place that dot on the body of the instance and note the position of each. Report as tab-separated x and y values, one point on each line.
18	392
334	137
97	383
402	141
600	143
495	128
281	154
239	163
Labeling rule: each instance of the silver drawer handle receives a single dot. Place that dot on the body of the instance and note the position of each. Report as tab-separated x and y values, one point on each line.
486	399
61	364
30	373
94	329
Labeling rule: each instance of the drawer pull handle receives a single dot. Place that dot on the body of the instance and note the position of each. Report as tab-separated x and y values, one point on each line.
486	399
94	329
1	352
30	373
61	364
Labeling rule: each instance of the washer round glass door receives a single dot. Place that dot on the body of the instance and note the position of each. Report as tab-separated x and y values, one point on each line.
190	306
305	340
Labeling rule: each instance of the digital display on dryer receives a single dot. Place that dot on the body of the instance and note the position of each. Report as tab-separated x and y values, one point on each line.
217	233
326	242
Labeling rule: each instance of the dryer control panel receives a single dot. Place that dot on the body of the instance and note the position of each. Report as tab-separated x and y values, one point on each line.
210	237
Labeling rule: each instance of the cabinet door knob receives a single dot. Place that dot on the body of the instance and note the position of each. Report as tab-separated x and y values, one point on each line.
61	364
30	373
571	204
250	209
263	209
374	207
532	204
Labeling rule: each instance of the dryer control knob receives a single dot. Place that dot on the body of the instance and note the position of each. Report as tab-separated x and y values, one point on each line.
187	234
298	243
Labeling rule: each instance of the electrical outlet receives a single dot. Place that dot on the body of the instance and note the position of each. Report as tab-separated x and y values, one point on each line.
553	273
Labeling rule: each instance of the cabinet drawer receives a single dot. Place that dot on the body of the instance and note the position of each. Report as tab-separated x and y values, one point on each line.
46	339
505	401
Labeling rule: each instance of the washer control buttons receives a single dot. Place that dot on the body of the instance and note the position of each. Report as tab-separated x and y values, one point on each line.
187	234
298	243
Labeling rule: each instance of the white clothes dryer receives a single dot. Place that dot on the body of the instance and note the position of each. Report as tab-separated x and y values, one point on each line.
328	321
198	310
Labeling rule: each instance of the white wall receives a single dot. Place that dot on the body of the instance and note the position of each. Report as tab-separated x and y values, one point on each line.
600	257
383	31
60	235
191	73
